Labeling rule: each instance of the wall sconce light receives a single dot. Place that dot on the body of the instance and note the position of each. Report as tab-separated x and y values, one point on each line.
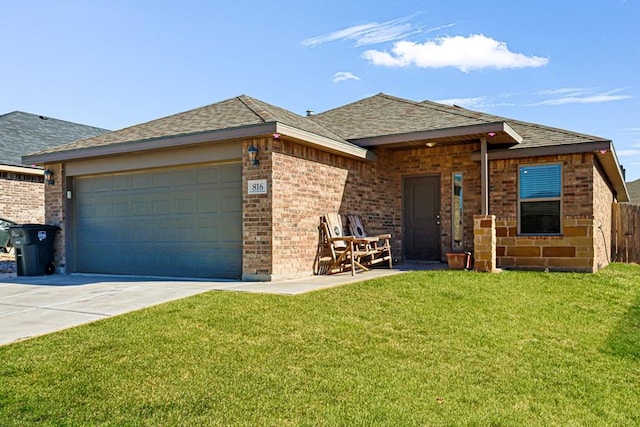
252	152
430	144
491	134
48	177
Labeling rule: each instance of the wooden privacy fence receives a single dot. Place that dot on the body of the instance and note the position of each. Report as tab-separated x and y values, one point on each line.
626	233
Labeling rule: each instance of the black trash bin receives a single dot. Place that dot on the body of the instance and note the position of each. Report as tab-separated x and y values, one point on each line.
33	246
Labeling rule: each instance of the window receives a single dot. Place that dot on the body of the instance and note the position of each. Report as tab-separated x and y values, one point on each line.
457	212
539	195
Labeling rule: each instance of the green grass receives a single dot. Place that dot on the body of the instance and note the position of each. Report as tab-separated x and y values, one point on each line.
423	348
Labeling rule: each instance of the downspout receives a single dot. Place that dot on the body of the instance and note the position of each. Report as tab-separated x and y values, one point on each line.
484	176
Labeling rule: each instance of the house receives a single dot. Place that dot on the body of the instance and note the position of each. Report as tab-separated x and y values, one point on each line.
181	195
22	187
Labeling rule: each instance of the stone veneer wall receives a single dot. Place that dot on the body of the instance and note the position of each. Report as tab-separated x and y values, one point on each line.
21	200
586	203
484	241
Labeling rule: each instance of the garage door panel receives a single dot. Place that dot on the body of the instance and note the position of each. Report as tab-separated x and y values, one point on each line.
230	172
209	176
162	179
121	182
207	203
163	206
175	222
231	202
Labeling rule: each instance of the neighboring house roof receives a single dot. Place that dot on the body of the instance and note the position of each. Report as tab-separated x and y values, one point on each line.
634	191
22	133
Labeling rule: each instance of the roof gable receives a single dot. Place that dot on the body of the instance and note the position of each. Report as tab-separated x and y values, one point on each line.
381	115
22	133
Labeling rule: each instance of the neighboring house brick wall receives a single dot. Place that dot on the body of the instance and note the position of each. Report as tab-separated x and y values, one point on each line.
21	200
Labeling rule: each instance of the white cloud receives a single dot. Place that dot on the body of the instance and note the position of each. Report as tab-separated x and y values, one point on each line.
470	103
581	96
626	153
464	53
575	91
341	76
441	27
368	34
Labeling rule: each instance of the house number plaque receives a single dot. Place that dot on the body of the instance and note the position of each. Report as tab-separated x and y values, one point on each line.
257	186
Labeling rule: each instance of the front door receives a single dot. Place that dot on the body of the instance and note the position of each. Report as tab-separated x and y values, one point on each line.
421	196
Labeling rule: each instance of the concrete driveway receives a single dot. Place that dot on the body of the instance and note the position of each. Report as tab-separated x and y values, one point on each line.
35	305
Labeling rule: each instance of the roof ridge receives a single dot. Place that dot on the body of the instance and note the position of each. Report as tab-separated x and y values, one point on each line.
251	103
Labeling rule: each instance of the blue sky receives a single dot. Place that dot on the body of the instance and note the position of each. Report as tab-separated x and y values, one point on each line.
568	64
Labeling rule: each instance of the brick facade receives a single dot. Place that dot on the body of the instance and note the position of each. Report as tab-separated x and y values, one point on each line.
22	197
442	161
280	228
602	211
586	203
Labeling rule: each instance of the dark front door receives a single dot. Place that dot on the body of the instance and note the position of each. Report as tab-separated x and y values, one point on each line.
422	218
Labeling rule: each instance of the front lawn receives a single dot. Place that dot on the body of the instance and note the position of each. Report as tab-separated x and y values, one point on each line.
423	348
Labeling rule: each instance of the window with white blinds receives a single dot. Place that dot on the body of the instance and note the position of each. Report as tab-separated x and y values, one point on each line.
540	199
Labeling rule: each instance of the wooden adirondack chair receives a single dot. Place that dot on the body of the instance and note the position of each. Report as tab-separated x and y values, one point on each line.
337	252
379	246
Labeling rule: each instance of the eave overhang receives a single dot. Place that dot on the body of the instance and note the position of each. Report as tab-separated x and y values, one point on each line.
495	132
176	141
27	170
604	151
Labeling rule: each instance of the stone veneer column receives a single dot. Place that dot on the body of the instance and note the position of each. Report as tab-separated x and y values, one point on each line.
484	243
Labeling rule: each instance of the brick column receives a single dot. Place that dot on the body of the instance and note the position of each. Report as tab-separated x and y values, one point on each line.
484	243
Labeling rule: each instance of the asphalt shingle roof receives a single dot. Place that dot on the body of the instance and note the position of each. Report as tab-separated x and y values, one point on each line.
381	115
378	115
22	133
236	112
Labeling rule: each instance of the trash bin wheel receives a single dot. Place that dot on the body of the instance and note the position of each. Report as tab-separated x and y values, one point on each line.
49	268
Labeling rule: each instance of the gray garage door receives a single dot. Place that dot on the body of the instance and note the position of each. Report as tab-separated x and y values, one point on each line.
168	222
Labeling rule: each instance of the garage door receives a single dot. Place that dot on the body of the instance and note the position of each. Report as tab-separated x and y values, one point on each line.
184	222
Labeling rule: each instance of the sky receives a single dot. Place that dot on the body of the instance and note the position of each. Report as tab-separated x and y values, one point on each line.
113	64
